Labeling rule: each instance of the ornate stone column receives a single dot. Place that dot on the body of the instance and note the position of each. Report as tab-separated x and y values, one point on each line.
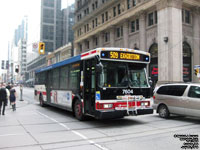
91	39
142	33
100	39
170	47
112	37
126	34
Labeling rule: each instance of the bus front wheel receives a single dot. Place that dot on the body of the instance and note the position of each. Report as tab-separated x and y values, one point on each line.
78	110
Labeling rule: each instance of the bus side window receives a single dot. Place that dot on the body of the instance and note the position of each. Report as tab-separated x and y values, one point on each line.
64	76
74	76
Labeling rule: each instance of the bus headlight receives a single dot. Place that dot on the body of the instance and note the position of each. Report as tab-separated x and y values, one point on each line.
144	103
108	106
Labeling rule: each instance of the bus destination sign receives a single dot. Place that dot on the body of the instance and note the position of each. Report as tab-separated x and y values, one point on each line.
124	56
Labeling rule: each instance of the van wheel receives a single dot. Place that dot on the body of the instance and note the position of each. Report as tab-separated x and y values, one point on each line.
41	101
163	111
78	110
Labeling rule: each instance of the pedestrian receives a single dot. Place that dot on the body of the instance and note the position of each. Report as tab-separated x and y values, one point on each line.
21	92
3	98
8	87
13	96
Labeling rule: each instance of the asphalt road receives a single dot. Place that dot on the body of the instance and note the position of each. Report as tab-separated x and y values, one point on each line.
32	127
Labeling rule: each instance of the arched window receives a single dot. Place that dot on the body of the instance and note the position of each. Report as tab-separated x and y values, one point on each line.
153	66
186	62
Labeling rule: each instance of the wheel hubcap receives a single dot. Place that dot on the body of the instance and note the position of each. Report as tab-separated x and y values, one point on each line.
163	112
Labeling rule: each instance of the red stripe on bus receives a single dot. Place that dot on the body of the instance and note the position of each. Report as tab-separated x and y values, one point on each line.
83	55
93	52
100	106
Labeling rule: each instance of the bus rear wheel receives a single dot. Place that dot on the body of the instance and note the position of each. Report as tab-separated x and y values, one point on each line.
78	110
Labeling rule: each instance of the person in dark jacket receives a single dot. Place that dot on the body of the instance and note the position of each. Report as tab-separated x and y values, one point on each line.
3	99
13	98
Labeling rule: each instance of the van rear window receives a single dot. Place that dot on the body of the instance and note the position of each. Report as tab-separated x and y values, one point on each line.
173	90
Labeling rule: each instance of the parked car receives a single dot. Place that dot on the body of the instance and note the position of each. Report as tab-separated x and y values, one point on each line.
179	99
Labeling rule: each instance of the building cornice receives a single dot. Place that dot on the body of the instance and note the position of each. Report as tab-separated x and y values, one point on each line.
169	3
193	3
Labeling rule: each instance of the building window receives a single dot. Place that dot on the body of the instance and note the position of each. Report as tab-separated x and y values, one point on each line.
85	28
85	12
119	9
107	36
133	26
102	16
152	18
137	24
96	4
156	17
103	1
93	7
92	23
119	32
106	16
134	3
96	41
114	11
88	44
96	22
88	27
186	16
128	4
80	47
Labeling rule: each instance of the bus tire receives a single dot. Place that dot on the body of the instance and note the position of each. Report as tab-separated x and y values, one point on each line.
41	100
78	110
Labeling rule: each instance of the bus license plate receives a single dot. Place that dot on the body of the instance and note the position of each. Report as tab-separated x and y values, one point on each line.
120	108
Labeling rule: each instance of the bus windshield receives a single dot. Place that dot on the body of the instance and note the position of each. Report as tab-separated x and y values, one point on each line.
123	74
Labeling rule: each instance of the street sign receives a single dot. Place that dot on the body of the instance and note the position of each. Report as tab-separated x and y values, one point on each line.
35	47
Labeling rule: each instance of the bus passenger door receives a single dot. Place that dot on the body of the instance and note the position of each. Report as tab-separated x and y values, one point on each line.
89	86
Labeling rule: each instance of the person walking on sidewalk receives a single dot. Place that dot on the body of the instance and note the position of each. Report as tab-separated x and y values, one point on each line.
3	98
8	87
13	96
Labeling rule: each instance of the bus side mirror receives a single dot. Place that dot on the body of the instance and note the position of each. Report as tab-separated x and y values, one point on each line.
99	68
150	81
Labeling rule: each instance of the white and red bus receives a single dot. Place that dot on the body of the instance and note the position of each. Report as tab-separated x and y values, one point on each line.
103	83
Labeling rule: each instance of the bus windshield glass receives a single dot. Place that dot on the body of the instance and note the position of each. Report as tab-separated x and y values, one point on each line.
123	74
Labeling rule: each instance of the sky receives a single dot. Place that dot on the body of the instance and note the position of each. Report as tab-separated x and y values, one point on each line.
11	14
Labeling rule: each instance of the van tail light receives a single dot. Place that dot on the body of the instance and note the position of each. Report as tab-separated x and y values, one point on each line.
154	97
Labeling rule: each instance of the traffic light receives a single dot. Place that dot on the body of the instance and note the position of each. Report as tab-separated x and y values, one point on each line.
41	49
2	64
17	69
7	64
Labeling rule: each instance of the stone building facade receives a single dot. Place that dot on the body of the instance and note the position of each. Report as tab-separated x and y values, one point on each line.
168	29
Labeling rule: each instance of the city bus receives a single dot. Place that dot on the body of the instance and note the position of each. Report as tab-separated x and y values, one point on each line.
103	83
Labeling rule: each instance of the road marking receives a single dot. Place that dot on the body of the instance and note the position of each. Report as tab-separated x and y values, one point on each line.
75	132
10	135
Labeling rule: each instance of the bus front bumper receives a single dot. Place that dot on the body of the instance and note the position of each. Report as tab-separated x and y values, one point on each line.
111	114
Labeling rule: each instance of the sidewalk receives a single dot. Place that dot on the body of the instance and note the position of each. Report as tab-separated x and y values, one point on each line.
19	104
